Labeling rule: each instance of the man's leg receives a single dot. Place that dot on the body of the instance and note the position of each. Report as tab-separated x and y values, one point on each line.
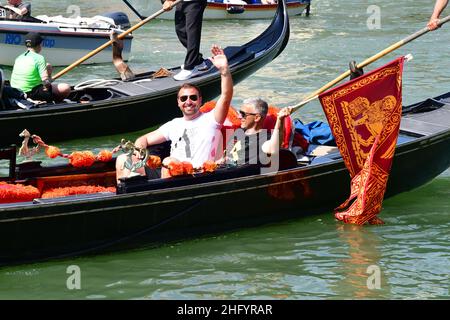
180	23
194	18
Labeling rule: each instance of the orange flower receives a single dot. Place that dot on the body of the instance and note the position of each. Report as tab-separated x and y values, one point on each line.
81	159
188	168
153	162
176	169
11	193
52	152
104	156
209	166
69	191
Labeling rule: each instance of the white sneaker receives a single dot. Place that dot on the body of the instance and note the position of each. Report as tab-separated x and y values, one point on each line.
186	74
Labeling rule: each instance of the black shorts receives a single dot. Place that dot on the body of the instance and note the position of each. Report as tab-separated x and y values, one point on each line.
40	93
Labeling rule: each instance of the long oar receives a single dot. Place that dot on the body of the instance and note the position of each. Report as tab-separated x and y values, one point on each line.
107	44
366	62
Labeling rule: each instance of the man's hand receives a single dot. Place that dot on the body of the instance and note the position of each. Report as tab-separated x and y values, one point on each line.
219	59
433	24
168	5
49	69
285	112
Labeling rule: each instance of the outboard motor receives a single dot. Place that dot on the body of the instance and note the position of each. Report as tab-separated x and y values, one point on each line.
120	19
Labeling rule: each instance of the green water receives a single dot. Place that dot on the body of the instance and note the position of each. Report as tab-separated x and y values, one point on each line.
309	258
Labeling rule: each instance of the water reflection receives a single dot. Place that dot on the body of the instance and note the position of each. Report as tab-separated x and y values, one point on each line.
363	251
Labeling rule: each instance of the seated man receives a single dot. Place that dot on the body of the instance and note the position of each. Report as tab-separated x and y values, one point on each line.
253	144
195	136
32	74
18	9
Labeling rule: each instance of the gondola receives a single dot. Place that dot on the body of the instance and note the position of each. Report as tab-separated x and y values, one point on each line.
147	211
126	106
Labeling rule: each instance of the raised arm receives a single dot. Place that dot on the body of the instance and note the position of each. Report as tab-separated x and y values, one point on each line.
220	61
438	8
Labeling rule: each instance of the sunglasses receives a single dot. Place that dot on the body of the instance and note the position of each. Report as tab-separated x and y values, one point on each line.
192	97
245	114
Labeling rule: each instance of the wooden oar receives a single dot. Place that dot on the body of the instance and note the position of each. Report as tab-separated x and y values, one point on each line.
366	62
107	44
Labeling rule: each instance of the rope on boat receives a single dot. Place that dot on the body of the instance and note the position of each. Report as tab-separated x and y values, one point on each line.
95	83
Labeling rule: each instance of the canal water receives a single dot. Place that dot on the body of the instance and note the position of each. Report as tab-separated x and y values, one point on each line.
307	258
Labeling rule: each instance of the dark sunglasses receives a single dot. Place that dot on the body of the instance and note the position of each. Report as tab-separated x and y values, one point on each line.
193	97
245	114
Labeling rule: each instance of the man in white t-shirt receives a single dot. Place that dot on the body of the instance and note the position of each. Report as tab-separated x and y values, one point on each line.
195	136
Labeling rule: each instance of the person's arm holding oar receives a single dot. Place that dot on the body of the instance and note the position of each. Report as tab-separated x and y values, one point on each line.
107	44
440	5
368	61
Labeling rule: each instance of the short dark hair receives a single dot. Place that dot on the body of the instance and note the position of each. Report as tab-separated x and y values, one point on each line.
33	39
190	86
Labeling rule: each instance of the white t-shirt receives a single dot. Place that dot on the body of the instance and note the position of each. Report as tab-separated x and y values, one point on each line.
195	140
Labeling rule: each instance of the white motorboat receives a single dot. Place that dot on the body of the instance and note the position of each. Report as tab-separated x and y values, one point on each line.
65	39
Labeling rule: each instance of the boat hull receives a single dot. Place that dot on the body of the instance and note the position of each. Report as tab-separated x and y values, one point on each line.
56	230
157	211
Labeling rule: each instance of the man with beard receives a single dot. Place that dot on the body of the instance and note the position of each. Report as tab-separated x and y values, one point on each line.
195	136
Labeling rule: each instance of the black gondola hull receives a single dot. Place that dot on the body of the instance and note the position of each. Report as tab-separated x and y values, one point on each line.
56	229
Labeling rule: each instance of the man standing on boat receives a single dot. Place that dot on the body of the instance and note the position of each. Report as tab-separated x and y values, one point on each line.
32	74
18	9
438	8
188	25
194	137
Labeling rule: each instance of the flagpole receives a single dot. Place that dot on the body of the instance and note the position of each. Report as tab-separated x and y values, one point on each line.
366	62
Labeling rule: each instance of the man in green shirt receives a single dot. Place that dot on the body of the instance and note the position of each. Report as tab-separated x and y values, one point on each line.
32	74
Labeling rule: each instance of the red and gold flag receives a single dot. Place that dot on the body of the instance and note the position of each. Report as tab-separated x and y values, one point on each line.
364	115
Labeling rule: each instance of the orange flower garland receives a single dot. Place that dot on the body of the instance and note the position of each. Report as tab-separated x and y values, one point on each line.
81	159
52	152
175	169
104	156
153	162
11	193
209	166
188	168
70	191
